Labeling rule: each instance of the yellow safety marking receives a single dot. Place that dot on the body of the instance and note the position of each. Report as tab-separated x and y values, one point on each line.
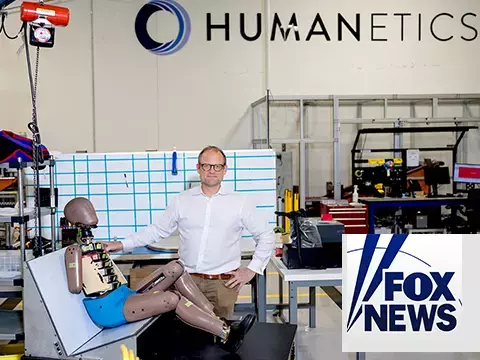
10	304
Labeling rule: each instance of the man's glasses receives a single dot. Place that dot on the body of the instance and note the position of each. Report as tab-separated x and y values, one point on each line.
216	167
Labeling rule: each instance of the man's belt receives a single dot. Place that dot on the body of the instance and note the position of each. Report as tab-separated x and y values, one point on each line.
212	277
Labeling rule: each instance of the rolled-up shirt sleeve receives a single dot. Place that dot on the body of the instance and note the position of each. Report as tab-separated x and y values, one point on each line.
263	235
163	228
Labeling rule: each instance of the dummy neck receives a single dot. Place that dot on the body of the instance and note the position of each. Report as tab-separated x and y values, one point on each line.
85	235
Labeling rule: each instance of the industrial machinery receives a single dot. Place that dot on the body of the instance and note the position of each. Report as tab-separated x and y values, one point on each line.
387	175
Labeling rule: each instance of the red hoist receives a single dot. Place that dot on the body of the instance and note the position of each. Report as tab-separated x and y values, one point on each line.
42	19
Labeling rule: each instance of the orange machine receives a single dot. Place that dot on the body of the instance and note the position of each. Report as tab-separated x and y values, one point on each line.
55	15
42	20
419	175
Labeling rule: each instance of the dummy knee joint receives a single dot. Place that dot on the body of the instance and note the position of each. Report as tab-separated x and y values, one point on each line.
138	307
170	300
173	270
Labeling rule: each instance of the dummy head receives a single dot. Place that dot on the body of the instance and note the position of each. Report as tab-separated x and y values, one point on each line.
80	211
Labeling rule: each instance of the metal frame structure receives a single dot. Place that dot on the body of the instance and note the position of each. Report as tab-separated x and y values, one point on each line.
402	152
22	219
336	101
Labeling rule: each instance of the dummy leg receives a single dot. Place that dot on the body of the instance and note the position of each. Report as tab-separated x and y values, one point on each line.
173	274
187	287
161	279
142	306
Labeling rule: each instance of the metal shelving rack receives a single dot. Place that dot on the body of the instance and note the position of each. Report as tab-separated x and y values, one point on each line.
10	328
262	139
23	216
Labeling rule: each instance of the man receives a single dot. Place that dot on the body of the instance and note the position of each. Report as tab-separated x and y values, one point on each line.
210	221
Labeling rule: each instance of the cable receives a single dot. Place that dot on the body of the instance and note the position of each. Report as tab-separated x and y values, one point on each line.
2	28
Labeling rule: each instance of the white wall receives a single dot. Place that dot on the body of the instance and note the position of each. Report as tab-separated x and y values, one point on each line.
101	91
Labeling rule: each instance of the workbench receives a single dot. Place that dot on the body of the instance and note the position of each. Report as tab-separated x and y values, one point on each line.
377	203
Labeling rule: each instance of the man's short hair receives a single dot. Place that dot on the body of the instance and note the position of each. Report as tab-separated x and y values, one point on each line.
212	148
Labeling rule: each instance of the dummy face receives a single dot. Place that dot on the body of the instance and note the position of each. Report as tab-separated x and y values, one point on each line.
212	168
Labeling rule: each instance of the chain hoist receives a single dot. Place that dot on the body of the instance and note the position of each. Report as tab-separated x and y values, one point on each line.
41	20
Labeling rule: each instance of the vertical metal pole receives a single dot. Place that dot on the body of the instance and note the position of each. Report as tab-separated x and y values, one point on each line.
413	115
52	206
359	114
463	158
268	118
252	126
303	182
307	163
258	125
262	296
336	149
397	140
8	235
21	211
281	208
434	107
38	243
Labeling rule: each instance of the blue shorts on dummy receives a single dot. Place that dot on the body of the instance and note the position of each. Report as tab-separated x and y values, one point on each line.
107	312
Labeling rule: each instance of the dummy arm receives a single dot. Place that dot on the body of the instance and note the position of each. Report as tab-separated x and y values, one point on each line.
73	265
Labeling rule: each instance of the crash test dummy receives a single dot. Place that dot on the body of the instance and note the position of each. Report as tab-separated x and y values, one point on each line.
110	302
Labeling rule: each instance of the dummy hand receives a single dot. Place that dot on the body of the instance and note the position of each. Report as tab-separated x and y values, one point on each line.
113	246
240	278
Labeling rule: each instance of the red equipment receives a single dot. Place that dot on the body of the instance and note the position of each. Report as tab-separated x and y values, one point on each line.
55	15
43	19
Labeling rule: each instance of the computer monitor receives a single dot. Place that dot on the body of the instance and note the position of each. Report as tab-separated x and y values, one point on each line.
466	173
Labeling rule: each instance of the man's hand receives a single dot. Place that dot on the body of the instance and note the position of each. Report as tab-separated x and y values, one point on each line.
240	278
113	246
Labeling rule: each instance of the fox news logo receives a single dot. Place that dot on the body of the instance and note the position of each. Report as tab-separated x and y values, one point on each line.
402	284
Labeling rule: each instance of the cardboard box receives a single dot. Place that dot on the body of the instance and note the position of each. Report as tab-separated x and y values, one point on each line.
139	273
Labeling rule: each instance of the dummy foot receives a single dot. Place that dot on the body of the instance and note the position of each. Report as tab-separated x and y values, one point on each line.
238	330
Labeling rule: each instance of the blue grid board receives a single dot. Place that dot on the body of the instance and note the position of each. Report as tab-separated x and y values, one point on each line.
131	190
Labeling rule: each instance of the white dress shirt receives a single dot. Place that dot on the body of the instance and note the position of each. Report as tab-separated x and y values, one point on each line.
210	231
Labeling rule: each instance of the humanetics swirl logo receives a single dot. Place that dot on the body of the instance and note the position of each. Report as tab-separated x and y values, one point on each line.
184	27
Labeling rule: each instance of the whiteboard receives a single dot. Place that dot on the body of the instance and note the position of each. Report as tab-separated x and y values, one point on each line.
131	190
